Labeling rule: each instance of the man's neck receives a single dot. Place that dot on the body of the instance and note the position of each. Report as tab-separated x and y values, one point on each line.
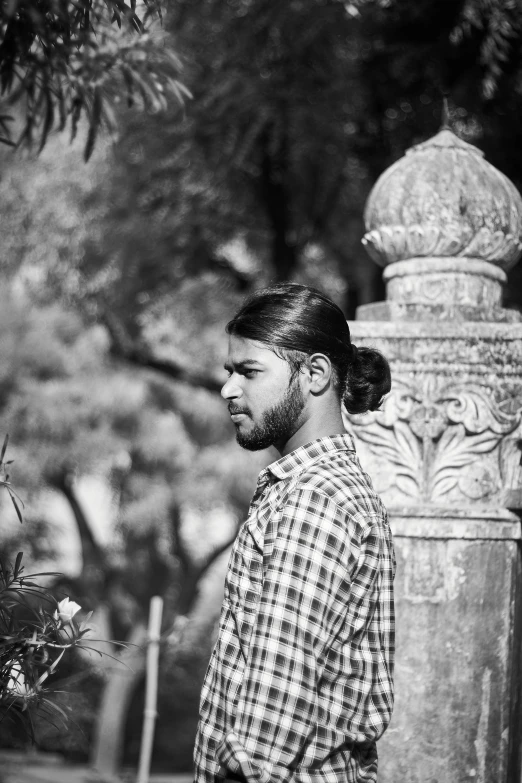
330	423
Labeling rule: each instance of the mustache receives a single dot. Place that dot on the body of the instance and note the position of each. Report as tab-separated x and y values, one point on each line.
232	409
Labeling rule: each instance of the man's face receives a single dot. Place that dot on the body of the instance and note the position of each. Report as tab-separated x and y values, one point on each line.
264	402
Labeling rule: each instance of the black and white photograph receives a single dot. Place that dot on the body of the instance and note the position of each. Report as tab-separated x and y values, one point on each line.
260	391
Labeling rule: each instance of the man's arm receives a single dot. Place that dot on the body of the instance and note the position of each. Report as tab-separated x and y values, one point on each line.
321	566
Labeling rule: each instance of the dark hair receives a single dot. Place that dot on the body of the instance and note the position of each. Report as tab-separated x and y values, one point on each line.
297	321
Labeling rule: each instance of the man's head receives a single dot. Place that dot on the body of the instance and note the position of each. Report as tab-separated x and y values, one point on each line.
290	359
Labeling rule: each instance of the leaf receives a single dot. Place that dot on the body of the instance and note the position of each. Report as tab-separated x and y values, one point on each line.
408	486
407	444
44	573
18	564
398	446
83	625
50	670
15	504
443	485
110	119
57	708
75	116
94	124
151	97
4	448
457	450
49	118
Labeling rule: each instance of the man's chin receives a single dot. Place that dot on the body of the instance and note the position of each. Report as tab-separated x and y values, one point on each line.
251	443
245	443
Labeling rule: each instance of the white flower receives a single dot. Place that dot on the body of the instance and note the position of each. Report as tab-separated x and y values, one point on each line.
16	684
66	610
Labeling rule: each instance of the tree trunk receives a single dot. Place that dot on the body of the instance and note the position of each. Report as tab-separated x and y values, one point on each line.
117	694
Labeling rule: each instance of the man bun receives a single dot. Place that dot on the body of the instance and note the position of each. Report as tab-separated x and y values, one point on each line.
368	380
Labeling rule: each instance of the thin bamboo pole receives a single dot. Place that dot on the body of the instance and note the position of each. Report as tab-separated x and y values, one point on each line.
151	689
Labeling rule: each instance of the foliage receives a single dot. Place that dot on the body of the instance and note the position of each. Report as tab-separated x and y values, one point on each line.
148	446
485	34
494	28
76	413
35	632
60	60
297	109
33	640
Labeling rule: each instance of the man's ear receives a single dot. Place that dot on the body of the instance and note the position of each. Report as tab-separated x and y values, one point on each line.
319	373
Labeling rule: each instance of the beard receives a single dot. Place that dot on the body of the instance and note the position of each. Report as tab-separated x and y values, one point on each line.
277	424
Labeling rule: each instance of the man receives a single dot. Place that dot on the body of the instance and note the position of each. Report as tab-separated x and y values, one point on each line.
299	686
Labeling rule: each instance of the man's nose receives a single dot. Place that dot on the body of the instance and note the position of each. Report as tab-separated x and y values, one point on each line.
231	390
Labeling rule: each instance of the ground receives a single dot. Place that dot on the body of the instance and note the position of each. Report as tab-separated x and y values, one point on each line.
16	767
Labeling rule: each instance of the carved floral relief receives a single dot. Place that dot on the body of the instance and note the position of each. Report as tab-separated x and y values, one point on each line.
397	243
440	442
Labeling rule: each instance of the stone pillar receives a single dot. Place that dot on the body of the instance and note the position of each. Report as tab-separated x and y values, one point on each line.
445	455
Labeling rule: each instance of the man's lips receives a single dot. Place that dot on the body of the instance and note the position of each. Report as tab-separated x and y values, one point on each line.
236	413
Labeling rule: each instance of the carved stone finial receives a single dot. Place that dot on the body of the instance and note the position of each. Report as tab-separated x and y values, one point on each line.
445	125
446	224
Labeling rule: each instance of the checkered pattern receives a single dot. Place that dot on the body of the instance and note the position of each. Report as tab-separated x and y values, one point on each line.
299	686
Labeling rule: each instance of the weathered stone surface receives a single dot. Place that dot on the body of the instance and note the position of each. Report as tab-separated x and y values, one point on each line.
444	199
455	663
450	432
445	454
427	289
449	522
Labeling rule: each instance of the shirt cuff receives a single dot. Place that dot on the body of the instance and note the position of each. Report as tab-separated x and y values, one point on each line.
232	755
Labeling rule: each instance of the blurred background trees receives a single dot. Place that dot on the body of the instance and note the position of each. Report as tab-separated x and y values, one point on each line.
119	276
61	61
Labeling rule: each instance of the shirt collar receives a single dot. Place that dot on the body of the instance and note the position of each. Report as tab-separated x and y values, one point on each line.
302	457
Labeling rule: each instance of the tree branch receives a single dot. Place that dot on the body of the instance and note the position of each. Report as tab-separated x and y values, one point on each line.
124	348
213	556
179	547
192	572
92	554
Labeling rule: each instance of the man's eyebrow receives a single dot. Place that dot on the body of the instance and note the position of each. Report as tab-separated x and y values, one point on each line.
243	365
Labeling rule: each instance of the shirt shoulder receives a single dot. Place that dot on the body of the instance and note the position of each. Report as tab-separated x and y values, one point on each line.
340	477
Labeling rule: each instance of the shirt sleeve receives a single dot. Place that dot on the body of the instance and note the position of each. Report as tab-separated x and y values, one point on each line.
315	567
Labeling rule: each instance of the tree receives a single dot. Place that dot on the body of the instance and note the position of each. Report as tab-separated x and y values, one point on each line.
163	452
60	60
296	111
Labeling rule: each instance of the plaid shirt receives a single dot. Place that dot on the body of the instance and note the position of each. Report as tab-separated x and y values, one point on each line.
299	686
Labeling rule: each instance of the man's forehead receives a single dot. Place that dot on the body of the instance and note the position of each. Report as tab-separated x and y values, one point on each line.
241	349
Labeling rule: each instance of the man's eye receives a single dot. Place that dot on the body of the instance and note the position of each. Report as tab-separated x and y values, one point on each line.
249	373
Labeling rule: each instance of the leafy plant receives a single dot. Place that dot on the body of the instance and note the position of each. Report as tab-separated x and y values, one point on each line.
4	482
35	633
60	60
